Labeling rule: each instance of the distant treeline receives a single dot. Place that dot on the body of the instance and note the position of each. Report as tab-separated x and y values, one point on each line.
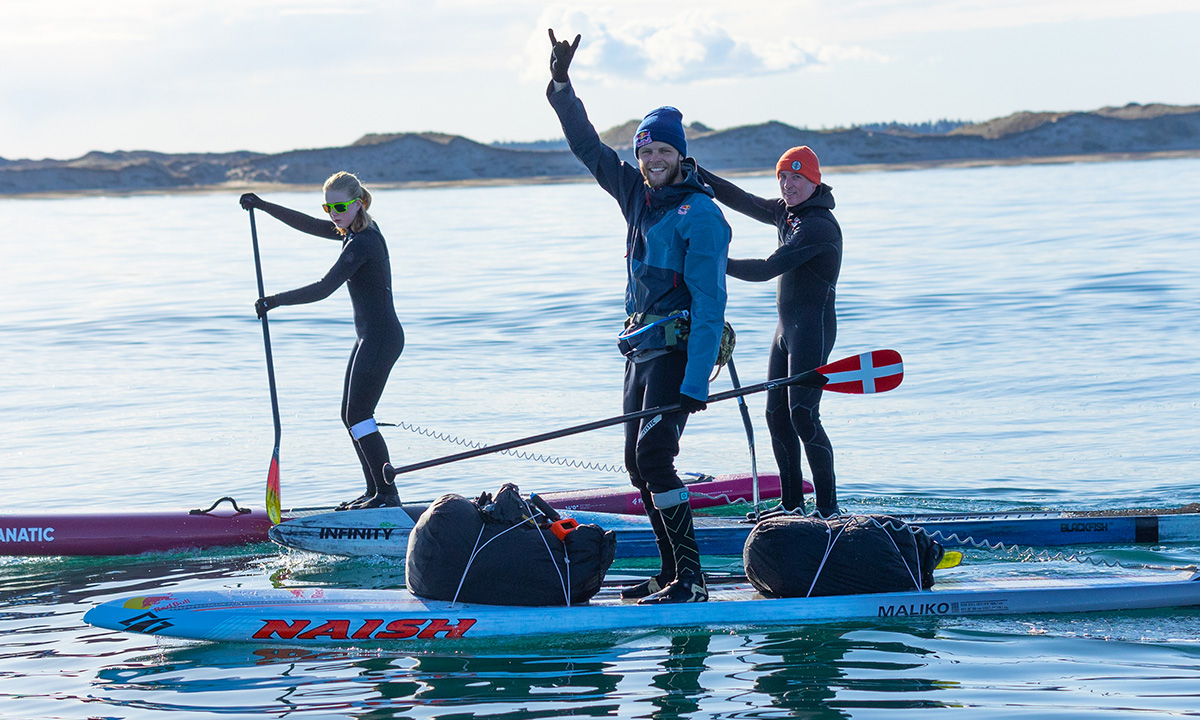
929	127
560	144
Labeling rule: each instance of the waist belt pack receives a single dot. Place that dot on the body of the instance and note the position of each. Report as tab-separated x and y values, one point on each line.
652	332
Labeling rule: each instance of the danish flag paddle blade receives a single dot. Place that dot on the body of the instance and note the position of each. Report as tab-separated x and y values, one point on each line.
871	372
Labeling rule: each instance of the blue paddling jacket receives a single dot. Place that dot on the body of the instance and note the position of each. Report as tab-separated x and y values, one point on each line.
676	248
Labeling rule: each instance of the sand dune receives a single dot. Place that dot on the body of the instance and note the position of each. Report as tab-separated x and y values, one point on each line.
433	158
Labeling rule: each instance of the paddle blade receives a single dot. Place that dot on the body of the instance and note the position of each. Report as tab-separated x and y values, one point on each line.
871	372
274	510
951	559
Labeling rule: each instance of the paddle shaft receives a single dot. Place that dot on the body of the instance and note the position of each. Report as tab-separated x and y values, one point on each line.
812	378
266	333
273	499
733	377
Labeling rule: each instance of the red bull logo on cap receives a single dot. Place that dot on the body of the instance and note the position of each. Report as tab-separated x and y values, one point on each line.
643	138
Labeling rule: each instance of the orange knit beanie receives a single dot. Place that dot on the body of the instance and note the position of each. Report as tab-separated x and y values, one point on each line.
800	160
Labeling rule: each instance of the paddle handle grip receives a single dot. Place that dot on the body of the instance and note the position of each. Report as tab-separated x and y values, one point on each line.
540	503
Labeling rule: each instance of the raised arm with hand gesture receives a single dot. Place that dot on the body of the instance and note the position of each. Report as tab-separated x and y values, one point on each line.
561	53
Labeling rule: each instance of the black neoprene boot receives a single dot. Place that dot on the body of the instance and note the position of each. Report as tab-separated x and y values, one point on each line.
351	504
643	589
386	495
374	449
688	585
370	476
666	554
791	492
825	491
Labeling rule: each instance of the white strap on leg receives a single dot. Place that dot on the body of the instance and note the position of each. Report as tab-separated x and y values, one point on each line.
670	498
364	428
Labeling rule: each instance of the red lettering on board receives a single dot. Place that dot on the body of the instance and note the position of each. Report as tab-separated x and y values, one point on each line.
437	625
284	629
423	628
332	629
368	627
400	629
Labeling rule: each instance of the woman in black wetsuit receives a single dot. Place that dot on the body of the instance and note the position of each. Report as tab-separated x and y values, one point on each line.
364	268
807	264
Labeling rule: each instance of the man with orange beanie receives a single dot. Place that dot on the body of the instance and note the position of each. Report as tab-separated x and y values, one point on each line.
807	263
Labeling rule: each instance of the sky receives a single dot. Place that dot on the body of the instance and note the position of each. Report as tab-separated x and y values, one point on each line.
275	75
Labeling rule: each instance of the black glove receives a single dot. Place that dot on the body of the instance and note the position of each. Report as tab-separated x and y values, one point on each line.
690	405
561	53
250	201
263	304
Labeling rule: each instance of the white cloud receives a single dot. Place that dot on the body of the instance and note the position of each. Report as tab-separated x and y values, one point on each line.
695	47
891	18
272	75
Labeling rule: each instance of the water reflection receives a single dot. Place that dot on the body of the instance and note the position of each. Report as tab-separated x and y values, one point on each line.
977	299
679	682
827	671
369	683
816	671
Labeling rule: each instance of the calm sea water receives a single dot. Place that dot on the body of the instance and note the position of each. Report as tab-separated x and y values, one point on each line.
1049	318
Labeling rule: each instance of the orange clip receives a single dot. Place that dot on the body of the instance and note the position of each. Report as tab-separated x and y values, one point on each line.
562	528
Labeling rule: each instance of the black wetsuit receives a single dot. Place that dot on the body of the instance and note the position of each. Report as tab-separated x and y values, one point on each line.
365	269
807	264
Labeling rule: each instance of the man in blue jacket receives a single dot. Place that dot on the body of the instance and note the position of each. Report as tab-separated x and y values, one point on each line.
676	251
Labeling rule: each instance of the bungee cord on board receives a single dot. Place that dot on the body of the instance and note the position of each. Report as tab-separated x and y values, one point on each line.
1024	554
1017	552
532	516
864	520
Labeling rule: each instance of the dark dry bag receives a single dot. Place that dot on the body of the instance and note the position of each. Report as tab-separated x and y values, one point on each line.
502	551
795	556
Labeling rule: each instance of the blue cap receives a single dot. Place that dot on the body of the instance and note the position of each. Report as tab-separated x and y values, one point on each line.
664	124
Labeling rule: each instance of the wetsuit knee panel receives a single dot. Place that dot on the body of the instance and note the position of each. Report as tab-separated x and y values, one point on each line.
805	418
